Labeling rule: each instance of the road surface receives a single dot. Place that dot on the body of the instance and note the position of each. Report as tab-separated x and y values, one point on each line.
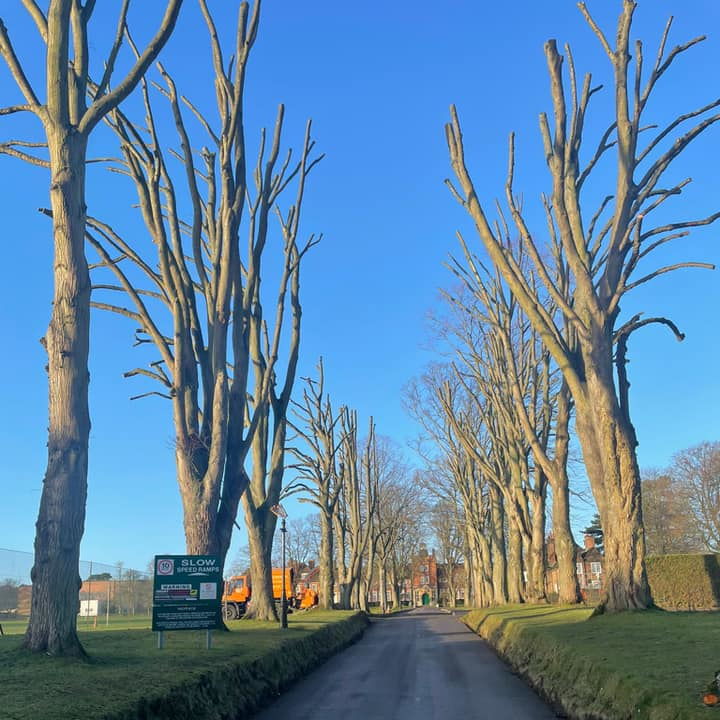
422	665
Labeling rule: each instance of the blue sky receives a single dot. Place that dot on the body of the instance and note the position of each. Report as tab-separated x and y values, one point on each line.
377	79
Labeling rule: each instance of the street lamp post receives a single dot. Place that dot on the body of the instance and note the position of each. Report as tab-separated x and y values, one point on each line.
279	511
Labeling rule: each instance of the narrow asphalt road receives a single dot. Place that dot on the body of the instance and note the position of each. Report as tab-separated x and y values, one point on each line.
423	665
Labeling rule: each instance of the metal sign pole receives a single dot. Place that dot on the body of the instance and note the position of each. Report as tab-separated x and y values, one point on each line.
208	639
283	621
160	640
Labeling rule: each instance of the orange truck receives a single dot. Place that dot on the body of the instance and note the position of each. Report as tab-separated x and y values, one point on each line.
238	592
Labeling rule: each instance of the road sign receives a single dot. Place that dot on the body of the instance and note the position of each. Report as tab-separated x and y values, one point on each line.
88	608
187	590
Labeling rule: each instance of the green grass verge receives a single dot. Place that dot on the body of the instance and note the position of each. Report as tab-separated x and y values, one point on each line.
375	611
649	665
129	679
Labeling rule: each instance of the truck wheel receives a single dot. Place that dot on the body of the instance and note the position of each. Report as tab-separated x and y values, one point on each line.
230	611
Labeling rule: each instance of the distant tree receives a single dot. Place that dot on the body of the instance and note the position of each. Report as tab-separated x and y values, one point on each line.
697	471
595	530
8	594
316	444
670	525
299	542
99	576
241	564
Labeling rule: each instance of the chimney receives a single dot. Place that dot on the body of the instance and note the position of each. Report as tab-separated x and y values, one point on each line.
311	564
589	542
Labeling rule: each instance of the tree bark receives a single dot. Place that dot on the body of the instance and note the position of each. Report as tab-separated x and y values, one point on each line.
568	588
326	562
382	587
61	519
514	565
262	603
536	554
497	540
608	442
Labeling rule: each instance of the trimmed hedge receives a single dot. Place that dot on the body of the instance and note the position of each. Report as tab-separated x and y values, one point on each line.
565	674
685	582
237	689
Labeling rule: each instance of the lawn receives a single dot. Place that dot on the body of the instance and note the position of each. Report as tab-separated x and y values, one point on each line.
115	622
650	664
126	665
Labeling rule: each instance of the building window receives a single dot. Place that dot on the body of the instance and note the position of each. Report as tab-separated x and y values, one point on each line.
580	570
424	580
596	568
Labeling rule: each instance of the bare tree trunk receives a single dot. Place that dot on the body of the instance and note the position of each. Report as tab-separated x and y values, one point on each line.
497	539
61	519
341	566
451	584
198	521
326	562
382	587
262	604
568	589
536	556
346	594
608	442
514	564
395	589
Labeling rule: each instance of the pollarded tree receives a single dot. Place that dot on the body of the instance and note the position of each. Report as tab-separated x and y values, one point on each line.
69	115
202	308
315	426
398	505
527	390
440	403
356	506
602	250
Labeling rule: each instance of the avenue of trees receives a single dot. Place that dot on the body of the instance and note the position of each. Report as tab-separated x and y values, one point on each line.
537	344
566	282
369	513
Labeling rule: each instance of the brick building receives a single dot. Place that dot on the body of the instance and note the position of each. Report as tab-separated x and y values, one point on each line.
589	562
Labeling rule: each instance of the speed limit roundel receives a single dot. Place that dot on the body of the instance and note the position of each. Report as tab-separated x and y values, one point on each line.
165	566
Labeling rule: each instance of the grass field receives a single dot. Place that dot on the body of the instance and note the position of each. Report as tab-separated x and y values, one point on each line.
116	622
125	665
651	664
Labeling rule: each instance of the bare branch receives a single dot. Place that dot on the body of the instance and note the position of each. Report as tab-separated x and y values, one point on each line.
114	50
8	53
667	269
106	103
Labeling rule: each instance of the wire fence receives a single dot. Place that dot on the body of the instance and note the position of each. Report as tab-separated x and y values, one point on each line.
107	590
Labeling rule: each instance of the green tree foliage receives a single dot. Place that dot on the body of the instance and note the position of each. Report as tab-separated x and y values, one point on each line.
594	529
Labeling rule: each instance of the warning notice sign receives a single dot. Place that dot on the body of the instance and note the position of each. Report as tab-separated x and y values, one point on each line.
187	592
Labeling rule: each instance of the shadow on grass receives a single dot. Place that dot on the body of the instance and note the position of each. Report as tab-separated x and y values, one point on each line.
516	613
713	570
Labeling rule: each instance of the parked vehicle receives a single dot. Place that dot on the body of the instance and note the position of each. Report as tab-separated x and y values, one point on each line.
238	592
